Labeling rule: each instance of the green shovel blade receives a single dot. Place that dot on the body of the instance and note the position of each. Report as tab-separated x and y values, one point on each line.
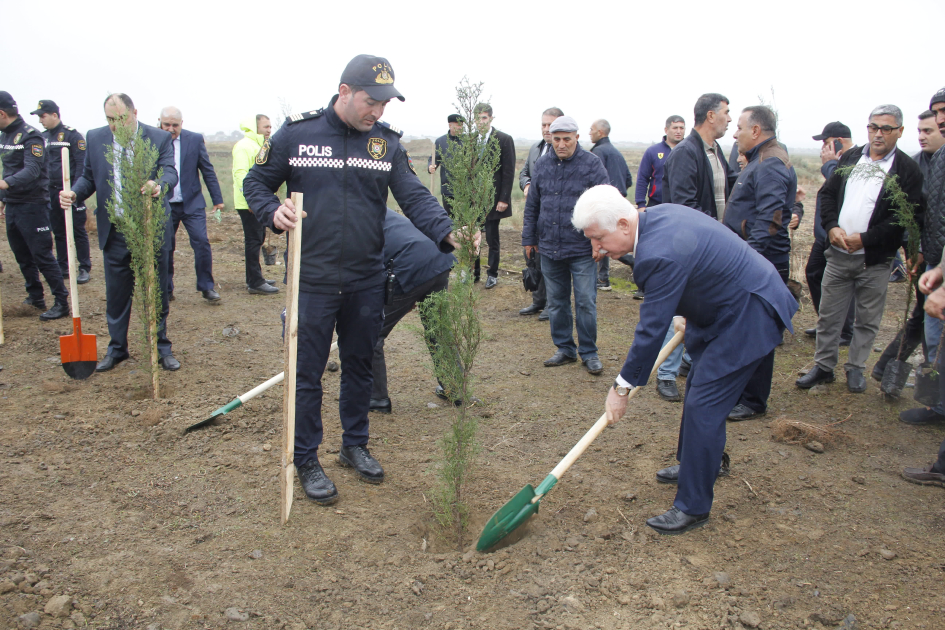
225	409
514	513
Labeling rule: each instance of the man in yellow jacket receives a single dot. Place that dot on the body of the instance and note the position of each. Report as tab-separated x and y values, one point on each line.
244	156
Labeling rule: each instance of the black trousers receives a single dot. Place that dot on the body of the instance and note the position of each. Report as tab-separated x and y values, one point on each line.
119	291
393	313
196	225
30	238
816	264
57	220
755	395
492	240
254	235
357	316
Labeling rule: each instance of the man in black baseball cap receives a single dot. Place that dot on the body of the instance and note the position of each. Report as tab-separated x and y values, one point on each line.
7	102
374	75
937	105
46	107
835	129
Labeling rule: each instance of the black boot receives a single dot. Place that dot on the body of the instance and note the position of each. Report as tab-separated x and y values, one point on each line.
59	310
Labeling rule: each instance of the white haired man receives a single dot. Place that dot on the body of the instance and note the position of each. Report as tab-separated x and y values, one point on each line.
731	332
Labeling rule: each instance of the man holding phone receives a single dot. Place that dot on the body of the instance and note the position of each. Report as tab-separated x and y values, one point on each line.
836	139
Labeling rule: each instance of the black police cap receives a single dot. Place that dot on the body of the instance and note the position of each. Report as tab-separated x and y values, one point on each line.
374	74
6	101
835	129
46	107
455	118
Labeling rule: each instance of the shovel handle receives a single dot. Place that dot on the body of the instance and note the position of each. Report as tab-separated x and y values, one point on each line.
70	238
601	424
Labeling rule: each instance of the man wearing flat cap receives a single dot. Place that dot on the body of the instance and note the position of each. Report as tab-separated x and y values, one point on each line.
59	136
344	159
566	258
441	148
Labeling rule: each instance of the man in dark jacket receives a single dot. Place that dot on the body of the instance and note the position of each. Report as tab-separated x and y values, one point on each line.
420	269
649	191
864	235
759	211
620	178
502	179
836	140
566	258
524	181
441	148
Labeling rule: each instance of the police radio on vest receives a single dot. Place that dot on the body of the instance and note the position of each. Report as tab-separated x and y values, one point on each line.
314	150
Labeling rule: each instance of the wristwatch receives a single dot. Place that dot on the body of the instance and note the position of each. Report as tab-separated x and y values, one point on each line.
620	389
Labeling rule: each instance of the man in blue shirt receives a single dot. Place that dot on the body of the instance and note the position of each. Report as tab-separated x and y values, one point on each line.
650	174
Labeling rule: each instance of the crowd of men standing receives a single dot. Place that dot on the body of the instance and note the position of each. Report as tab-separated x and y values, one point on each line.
746	206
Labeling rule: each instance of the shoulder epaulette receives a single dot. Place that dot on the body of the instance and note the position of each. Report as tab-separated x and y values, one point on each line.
69	128
315	113
396	130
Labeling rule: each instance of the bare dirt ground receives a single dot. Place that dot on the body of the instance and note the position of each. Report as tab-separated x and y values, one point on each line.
112	518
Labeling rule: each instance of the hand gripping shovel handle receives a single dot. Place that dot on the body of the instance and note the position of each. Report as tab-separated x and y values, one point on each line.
598	427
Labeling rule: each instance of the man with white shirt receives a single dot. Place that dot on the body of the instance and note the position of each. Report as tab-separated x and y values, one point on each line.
187	203
864	235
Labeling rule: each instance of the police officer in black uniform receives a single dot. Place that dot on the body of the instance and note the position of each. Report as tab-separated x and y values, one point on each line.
344	160
24	196
57	136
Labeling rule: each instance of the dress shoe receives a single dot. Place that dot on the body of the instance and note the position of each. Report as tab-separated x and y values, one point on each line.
674	521
684	367
667	390
921	415
856	382
811	332
531	309
816	376
380	405
878	372
638	294
108	363
491	281
316	484
924	476
845	341
169	363
211	295
441	393
39	303
364	465
170	297
263	289
593	365
743	412
58	311
560	358
670	474
82	277
543	316
603	285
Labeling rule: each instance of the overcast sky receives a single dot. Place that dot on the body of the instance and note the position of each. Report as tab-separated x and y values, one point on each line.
629	62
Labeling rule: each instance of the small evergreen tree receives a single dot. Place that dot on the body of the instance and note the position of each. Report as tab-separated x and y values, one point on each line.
454	329
141	220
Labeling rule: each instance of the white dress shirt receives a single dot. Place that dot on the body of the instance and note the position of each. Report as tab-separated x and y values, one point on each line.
860	195
177	197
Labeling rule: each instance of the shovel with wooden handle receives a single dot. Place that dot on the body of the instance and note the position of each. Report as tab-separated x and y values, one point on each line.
525	503
287	474
78	352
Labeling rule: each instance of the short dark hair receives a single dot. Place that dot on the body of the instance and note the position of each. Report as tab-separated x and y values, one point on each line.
354	88
124	98
10	111
553	111
927	114
710	102
674	119
482	107
260	117
763	116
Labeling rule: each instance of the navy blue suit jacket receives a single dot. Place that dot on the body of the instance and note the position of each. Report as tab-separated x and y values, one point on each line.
98	176
194	158
735	304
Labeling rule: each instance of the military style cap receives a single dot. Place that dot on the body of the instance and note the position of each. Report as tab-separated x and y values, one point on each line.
563	123
6	101
835	129
455	118
938	97
373	74
46	107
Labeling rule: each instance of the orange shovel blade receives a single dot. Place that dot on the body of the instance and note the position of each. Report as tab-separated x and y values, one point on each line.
78	352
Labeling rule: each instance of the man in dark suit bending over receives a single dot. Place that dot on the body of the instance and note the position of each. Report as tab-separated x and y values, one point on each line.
731	331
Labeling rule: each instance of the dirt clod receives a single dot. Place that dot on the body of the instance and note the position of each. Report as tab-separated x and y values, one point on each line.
29	620
887	554
814	446
59	606
591	516
235	614
750	618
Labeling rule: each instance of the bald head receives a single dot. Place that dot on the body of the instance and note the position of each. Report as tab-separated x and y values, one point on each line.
172	121
599	129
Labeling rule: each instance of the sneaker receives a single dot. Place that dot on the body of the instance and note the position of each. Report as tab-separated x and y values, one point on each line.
603	285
